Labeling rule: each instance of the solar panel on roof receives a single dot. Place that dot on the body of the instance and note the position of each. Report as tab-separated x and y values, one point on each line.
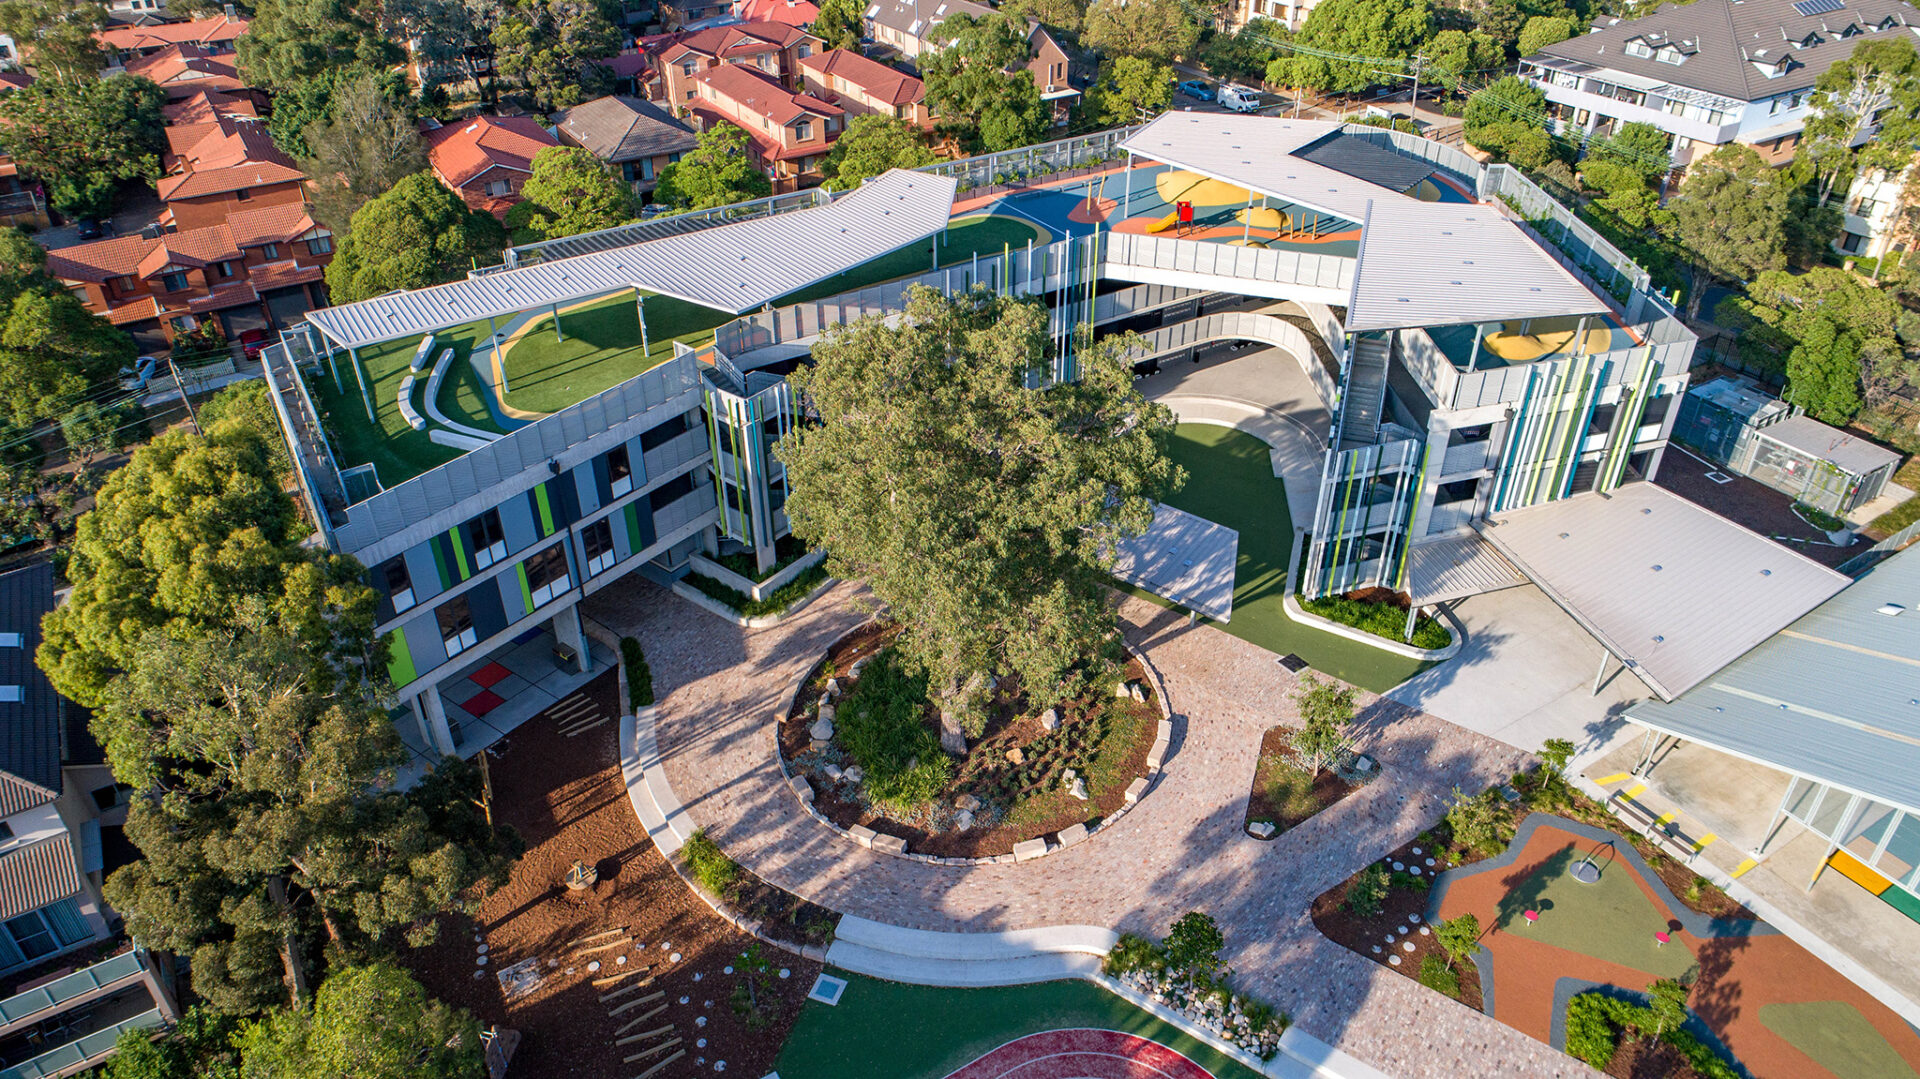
1817	7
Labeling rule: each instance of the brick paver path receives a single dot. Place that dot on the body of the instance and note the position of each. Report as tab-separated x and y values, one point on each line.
1181	849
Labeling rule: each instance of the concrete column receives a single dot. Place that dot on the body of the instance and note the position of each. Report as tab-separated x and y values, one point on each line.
566	629
432	715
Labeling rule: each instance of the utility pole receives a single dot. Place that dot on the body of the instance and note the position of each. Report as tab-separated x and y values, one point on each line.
192	416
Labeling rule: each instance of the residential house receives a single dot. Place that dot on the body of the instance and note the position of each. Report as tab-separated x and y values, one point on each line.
185	70
222	165
692	14
632	73
771	48
1712	72
862	86
212	37
257	268
795	13
1874	222
1290	13
637	137
486	159
58	801
138	12
911	26
790	133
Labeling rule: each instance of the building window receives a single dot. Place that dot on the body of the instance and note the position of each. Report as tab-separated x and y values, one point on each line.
690	68
394	578
488	541
6	831
123	285
1866	207
619	471
598	541
270	251
691	94
321	244
225	268
1638	48
32	935
243	195
456	626
1851	242
547	573
173	282
498	188
764	61
803	130
645	171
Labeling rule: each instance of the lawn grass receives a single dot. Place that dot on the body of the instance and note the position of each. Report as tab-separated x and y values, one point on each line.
601	350
1611	920
1230	481
883	1030
1837	1037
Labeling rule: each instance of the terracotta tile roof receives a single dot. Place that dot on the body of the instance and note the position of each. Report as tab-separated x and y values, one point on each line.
625	129
761	95
204	106
224	297
283	274
269	224
15	80
627	65
740	39
219	28
18	795
233	153
38	874
462	151
143	256
876	80
796	13
140	310
766	147
187	69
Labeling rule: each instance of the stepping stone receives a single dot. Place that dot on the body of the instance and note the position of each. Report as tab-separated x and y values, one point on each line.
1402	931
1390	938
726	970
697	975
1376	949
674	958
785	973
1399	867
1408	946
1416	852
593	967
1414	918
482	950
700	1043
1424	931
1414	869
1394	959
1429	861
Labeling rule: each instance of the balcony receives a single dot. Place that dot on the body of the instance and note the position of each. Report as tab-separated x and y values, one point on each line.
70	1041
41	1000
1685	126
1252	271
669	456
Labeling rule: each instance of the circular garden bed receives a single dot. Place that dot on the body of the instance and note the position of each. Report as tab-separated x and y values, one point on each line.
1038	767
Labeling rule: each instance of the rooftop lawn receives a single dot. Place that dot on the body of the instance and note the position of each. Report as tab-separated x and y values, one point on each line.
1230	481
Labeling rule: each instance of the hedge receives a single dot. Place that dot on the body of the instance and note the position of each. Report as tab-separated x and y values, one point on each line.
639	675
1595	1021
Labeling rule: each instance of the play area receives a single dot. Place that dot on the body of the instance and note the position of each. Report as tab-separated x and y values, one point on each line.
1526	340
1756	996
1052	1030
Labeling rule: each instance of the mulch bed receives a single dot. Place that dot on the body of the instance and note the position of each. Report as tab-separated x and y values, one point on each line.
1041	810
567	798
1360	935
1751	503
1276	758
1648	1058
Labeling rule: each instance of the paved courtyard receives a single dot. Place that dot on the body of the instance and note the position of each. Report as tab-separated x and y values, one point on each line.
1181	849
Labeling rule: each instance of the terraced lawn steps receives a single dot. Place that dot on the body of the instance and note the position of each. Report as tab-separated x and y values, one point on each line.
929	957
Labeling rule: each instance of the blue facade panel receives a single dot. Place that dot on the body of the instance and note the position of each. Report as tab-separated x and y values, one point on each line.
423	640
518	525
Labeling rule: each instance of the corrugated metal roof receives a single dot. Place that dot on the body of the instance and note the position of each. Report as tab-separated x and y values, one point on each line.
1420	263
1673	590
1834	697
1368	161
37	874
1457	567
732	268
1184	559
1850	452
1740	399
30	726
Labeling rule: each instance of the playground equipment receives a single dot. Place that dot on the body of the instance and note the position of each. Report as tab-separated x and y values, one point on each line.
1530	339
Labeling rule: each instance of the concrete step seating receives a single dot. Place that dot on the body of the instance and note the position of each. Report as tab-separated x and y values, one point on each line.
929	957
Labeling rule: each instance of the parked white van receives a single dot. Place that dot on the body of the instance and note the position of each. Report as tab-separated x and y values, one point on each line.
1239	99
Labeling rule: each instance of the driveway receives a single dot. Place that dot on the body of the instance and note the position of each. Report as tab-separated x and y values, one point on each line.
136	212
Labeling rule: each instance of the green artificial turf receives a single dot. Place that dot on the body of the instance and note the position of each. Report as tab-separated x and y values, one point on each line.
1230	482
1611	920
1837	1037
883	1030
601	350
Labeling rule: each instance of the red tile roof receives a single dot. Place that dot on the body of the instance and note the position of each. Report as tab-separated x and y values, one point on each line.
204	106
224	297
142	256
233	153
183	70
219	28
878	81
140	310
283	274
765	146
740	39
461	151
796	13
761	95
627	65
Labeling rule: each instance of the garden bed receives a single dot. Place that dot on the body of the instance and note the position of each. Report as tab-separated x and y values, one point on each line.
1283	793
1014	770
1403	905
1381	612
746	606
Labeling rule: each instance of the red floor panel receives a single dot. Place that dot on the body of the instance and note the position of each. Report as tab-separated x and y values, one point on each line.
1082	1054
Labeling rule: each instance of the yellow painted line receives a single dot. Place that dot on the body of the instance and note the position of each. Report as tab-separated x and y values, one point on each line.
1634	791
1667	817
1614	778
1743	867
1701	844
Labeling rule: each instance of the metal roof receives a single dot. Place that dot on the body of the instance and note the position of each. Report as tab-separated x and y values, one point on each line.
1420	263
1835	697
1368	161
1850	453
732	268
30	726
1747	402
1184	559
1674	591
1457	567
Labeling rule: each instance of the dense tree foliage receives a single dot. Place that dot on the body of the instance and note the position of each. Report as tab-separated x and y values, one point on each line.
569	192
1835	337
1875	89
1541	31
452	39
366	144
1387	32
553	48
1455	56
53	351
293	41
57	36
839	24
979	86
931	443
1506	119
870	146
1131	89
1730	214
714	173
416	234
367	1022
84	137
1157	30
1243	56
1067	16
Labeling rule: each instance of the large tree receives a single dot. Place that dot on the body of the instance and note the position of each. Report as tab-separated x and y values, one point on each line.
1159	30
1541	31
292	41
53	351
979	86
1876	90
1454	56
415	235
1835	337
569	192
1067	16
975	507
83	137
366	144
870	146
451	40
1244	55
1131	89
714	173
57	36
839	24
368	1022
553	48
1730	215
1508	119
1385	32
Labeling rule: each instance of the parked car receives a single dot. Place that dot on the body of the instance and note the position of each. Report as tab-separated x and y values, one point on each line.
88	228
135	378
1239	98
1197	90
252	341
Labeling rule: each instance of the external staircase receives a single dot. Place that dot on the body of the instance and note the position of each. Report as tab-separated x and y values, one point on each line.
1366	392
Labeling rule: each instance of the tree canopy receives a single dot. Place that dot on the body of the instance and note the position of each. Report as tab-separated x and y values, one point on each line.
1835	337
1875	89
1067	16
1541	31
1730	214
1455	55
1244	54
366	144
570	192
452	39
553	48
1156	30
1505	119
975	507
372	1021
871	145
1131	88
415	235
714	173
83	137
1388	31
53	351
58	36
839	24
293	41
979	86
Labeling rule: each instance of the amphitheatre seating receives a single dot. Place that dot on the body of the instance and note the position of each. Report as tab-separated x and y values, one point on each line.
420	355
414	419
440	368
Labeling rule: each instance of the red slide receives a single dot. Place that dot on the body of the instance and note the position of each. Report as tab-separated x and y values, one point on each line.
1082	1054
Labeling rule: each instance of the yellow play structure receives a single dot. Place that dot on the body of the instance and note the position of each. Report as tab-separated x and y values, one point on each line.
1544	337
1179	185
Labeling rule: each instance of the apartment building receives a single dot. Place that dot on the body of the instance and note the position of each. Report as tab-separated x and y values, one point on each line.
912	27
255	268
222	165
773	49
486	159
1713	72
790	133
795	13
1874	208
636	137
209	37
865	87
1289	13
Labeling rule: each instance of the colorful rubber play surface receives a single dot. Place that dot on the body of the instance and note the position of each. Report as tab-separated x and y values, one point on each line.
1775	1007
1082	1054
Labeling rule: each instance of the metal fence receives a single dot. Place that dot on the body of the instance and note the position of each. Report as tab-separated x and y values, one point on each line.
1874	555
